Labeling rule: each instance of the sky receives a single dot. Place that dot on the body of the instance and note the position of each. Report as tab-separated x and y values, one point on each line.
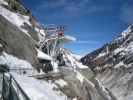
92	22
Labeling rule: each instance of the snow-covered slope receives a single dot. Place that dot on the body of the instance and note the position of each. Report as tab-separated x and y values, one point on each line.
36	89
71	60
13	62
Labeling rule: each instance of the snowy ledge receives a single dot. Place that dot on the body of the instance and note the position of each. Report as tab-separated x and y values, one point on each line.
13	62
42	55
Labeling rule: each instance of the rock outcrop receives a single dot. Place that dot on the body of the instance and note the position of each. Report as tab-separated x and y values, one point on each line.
16	42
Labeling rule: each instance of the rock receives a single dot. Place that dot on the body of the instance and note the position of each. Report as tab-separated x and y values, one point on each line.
16	42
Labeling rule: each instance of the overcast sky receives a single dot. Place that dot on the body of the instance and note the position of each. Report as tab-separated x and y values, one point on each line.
92	22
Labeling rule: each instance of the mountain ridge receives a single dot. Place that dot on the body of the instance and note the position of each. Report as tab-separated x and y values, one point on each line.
113	65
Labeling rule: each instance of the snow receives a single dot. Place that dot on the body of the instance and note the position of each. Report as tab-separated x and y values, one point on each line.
125	49
118	50
100	84
104	90
73	62
69	60
1	45
37	29
37	90
127	31
101	54
61	82
3	2
15	18
42	55
80	65
119	64
55	66
25	31
41	35
74	99
78	57
80	77
129	48
13	62
42	32
91	83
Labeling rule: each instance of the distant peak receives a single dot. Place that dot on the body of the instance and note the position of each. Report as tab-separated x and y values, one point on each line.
128	30
131	28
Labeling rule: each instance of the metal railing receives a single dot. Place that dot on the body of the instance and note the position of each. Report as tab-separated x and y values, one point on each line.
11	90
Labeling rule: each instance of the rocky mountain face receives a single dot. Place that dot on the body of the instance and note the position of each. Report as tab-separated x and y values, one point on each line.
113	65
15	41
17	34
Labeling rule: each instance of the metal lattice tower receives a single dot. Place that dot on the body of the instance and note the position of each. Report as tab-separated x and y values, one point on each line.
53	35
